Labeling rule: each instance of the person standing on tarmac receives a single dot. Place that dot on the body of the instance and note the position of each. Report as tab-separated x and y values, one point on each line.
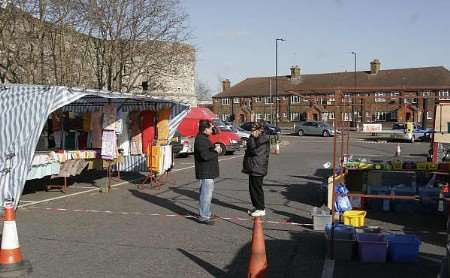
255	165
206	169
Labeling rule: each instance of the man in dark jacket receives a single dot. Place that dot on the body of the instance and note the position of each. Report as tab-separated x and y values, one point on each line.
256	162
206	169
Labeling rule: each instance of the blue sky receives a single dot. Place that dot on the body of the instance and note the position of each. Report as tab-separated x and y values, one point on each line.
236	39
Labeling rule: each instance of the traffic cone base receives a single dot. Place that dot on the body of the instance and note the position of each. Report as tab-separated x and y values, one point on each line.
11	260
15	270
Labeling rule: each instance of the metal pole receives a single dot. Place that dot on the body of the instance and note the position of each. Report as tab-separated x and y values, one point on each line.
271	102
276	82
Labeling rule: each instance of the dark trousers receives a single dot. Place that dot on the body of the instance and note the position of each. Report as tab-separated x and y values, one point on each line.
256	191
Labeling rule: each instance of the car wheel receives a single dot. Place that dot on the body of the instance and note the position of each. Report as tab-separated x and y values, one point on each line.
222	146
300	132
325	133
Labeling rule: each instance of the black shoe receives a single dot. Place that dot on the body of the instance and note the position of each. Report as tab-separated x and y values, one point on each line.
206	222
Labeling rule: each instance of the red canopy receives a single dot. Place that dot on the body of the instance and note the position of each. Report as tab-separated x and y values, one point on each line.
201	113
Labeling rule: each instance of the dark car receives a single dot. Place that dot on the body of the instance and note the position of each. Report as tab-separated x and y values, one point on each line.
176	143
268	128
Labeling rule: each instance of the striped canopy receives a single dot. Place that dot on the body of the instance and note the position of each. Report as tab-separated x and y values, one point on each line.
24	110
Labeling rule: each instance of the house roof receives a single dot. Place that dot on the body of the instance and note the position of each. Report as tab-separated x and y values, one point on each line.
392	79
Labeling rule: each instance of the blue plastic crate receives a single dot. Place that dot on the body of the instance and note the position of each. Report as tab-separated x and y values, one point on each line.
429	198
408	206
372	248
403	248
379	204
343	247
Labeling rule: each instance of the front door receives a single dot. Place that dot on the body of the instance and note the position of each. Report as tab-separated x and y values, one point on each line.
408	116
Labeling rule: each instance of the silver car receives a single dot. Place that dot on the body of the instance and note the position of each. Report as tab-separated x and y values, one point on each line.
313	128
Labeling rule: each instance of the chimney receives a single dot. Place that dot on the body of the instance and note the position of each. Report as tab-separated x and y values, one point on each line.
375	66
295	72
226	84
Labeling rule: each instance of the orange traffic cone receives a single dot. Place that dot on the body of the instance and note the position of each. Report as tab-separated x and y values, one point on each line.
257	266
11	260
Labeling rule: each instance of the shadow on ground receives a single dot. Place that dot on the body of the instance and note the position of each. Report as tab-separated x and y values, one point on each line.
302	256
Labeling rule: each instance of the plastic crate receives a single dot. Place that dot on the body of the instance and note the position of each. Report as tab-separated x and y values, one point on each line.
355	218
402	248
372	248
379	204
344	244
421	165
432	166
319	221
408	206
429	198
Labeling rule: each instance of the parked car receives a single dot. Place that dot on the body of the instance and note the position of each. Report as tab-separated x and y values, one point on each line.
226	139
419	133
313	128
177	146
268	128
243	134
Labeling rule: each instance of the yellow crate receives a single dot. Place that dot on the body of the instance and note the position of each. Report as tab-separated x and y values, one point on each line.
432	167
355	218
421	165
397	165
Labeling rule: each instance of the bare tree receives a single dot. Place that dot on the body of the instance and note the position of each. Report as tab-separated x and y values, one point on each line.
120	42
135	40
202	90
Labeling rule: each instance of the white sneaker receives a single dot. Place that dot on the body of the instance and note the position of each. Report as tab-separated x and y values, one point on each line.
258	213
250	211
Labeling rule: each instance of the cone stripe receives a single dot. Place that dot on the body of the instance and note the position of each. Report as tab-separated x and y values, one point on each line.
10	253
10	239
12	256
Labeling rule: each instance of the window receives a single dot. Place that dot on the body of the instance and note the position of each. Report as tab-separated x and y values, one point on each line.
236	100
225	101
379	97
347	116
268	117
259	117
295	116
395	94
380	116
330	99
429	115
268	100
258	99
347	98
444	95
327	116
426	93
295	99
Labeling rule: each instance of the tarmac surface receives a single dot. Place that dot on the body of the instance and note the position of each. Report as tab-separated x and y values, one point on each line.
152	232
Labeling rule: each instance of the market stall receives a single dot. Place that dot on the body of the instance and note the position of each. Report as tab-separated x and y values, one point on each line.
75	129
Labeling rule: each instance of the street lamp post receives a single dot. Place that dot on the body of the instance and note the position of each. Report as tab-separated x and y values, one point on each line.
276	80
354	120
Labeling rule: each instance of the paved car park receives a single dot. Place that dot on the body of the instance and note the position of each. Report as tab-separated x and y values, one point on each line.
152	233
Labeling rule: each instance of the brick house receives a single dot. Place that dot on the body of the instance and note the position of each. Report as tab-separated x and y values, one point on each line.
386	96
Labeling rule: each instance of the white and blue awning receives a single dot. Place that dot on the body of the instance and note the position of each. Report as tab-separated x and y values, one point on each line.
24	110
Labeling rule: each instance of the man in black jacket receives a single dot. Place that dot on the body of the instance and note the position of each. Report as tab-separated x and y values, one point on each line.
206	169
256	162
